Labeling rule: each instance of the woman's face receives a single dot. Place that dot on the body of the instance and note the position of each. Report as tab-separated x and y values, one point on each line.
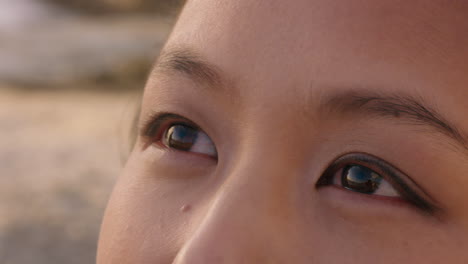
301	132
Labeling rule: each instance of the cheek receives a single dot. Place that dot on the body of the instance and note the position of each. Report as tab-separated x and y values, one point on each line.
364	234
152	215
141	225
151	211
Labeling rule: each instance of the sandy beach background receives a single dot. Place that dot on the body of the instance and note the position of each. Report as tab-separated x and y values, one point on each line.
70	77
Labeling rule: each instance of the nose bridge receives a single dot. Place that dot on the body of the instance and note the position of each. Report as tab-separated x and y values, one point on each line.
238	225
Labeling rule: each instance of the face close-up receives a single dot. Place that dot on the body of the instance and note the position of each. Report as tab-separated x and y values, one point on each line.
303	131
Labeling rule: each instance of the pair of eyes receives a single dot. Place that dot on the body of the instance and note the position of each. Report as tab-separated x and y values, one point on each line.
360	173
353	177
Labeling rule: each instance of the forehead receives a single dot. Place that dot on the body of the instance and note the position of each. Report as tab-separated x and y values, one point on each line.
274	45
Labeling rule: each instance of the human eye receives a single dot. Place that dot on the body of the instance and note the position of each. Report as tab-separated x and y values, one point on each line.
365	174
178	133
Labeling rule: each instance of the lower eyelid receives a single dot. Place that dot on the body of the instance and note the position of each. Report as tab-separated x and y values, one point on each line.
160	155
369	210
360	199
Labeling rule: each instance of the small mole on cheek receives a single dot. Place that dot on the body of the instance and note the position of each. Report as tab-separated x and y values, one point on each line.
185	208
396	114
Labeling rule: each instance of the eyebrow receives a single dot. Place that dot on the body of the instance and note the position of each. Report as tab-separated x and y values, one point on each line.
188	62
404	108
401	107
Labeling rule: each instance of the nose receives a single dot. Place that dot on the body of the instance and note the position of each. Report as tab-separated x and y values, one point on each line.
240	224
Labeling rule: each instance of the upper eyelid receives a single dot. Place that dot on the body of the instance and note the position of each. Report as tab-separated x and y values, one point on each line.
155	122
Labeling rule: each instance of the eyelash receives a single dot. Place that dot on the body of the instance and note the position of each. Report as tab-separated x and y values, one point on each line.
382	168
157	126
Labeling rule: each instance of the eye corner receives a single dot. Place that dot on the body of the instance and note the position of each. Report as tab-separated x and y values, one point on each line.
326	179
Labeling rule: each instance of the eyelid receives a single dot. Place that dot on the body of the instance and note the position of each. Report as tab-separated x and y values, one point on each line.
152	128
156	121
390	173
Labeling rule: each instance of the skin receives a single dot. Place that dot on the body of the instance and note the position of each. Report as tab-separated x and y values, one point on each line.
279	63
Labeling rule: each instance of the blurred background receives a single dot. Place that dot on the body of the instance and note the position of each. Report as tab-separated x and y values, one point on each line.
71	73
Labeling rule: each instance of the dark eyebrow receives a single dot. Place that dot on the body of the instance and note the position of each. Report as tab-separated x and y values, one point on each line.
188	62
402	107
406	108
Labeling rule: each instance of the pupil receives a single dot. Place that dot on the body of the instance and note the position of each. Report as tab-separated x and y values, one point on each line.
360	179
181	137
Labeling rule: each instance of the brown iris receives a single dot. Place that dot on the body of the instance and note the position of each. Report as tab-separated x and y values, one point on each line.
181	137
360	179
